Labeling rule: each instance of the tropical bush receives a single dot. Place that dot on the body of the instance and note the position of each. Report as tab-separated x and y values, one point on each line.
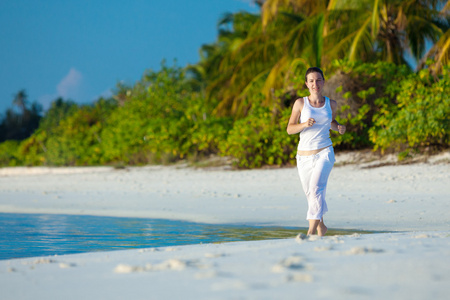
261	139
419	118
161	121
9	154
21	121
72	140
364	89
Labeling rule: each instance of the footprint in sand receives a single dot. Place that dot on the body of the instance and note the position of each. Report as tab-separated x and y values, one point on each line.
298	277
171	264
214	255
43	261
124	268
290	263
324	248
422	236
362	250
64	265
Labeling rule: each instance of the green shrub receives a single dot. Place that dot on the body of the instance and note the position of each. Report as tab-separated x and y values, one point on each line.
9	154
366	88
162	120
72	140
261	139
420	117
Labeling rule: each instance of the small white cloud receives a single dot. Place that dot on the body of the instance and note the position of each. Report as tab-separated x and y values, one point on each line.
70	85
108	93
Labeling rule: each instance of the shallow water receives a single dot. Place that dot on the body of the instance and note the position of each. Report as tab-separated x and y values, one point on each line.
28	235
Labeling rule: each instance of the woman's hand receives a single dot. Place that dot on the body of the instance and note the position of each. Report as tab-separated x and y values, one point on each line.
310	122
341	129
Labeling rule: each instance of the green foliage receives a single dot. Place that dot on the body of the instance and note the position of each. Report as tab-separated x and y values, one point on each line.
58	111
73	141
40	148
162	120
158	120
20	125
420	117
261	139
371	88
32	150
8	154
357	125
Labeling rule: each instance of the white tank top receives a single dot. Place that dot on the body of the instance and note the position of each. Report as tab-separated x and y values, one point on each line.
318	135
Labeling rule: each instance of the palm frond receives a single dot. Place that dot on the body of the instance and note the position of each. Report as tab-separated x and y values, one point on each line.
440	52
375	19
360	42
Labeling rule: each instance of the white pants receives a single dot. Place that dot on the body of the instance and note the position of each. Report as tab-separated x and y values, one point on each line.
314	171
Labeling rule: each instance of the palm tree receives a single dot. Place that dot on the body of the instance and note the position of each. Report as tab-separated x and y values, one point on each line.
271	8
230	65
366	29
20	100
385	30
440	52
265	54
261	54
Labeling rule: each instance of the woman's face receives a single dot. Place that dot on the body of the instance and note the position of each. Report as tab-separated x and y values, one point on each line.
315	83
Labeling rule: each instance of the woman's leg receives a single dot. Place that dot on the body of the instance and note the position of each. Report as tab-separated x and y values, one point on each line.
313	226
316	185
317	226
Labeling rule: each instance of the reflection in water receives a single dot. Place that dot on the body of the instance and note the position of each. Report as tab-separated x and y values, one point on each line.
27	235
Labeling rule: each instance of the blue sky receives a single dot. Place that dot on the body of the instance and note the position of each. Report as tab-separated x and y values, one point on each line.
80	49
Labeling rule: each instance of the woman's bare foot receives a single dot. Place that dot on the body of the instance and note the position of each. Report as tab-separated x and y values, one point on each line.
322	229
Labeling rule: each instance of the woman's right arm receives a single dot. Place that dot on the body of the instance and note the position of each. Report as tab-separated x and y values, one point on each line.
294	126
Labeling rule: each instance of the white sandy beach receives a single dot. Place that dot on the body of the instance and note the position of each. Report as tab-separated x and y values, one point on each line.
411	202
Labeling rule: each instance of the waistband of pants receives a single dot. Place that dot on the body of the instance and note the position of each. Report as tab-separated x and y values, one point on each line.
322	152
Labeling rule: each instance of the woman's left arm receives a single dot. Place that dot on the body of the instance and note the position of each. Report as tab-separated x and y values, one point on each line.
334	124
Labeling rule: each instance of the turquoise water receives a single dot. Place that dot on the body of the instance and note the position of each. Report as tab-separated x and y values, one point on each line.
28	235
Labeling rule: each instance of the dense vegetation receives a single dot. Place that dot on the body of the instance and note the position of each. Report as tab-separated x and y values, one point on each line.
21	122
237	100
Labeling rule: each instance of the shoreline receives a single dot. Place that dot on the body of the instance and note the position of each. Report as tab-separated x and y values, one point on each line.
71	234
388	198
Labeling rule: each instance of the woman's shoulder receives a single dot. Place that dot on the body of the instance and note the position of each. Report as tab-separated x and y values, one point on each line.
299	103
333	103
302	99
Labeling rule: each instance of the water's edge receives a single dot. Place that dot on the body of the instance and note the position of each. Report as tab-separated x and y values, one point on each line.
30	235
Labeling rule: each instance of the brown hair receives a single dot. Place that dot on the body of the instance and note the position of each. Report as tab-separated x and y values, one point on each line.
314	70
